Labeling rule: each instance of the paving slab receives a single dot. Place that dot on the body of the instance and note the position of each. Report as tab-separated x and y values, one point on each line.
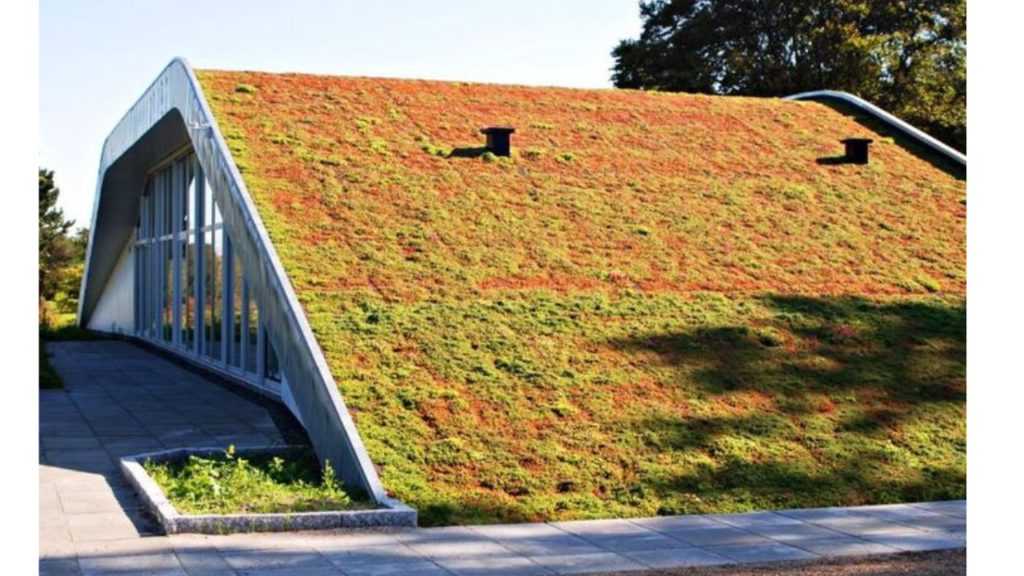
504	565
843	546
956	508
773	552
537	539
678	558
142	564
619	535
918	541
59	567
583	563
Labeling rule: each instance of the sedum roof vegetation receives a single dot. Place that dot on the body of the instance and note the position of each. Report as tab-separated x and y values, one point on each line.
660	304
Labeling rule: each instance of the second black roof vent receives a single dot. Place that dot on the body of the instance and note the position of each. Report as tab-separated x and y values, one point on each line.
499	139
857	150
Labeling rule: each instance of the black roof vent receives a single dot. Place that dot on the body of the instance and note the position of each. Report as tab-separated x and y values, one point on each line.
499	139
857	150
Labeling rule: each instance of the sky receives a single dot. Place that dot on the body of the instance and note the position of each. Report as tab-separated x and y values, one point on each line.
97	57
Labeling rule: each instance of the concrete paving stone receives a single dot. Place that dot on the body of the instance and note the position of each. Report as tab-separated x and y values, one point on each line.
164	431
79	481
48	494
505	565
717	536
759	519
370	555
202	561
619	535
97	501
148	564
914	517
793	532
583	563
122	445
192	441
288	541
242	440
115	531
124	547
54	430
774	552
100	466
421	568
862	525
844	546
50	474
55	543
51	516
677	558
190	542
918	541
956	508
59	567
668	524
242	560
308	571
446	534
536	539
89	442
458	549
118	429
331	543
59	457
819	515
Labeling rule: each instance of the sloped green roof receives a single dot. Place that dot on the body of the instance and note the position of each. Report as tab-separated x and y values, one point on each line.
656	294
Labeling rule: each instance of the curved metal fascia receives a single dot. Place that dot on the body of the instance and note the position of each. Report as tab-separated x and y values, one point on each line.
318	402
887	118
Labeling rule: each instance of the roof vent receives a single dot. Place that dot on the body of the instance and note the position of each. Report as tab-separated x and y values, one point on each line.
857	150
499	139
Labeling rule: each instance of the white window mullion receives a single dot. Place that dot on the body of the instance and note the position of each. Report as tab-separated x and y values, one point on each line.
200	275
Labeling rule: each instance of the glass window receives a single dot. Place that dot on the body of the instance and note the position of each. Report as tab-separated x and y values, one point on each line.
273	368
237	329
252	332
211	293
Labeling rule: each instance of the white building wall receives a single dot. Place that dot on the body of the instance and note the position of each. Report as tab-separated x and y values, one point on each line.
115	310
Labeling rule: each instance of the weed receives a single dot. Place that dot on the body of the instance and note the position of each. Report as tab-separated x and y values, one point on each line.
231	483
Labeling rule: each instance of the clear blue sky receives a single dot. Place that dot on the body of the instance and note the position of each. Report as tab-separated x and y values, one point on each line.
96	57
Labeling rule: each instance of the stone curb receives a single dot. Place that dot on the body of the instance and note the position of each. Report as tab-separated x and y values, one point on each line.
391	514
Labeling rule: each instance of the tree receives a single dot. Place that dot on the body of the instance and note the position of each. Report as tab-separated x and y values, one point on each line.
909	56
56	250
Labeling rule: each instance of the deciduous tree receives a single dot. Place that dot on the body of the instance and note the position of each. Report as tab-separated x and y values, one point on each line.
907	56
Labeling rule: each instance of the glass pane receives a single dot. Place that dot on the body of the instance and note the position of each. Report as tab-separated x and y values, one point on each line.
236	301
168	219
252	333
210	214
211	294
168	292
273	368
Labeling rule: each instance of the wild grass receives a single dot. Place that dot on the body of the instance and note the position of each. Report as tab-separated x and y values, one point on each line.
231	483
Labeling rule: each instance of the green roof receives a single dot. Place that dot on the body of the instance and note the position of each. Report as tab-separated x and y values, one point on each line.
659	303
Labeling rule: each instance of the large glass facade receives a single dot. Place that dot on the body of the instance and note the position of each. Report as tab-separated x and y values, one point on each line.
190	292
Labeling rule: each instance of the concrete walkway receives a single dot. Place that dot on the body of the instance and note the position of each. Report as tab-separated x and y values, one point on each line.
121	400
